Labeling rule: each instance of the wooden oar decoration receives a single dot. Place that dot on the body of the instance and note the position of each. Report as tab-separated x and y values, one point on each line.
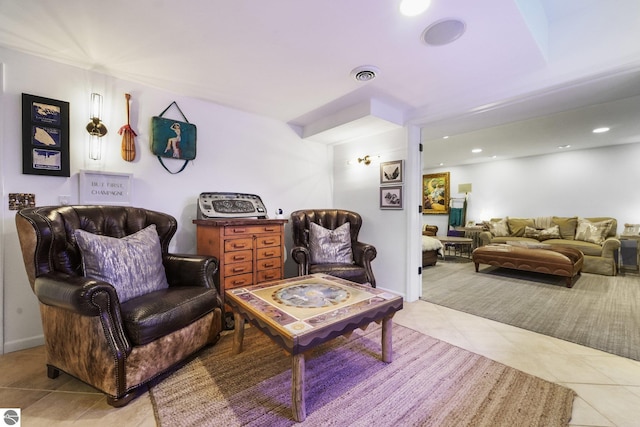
128	137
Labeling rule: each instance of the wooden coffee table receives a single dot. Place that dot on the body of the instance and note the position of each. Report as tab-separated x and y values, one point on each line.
303	312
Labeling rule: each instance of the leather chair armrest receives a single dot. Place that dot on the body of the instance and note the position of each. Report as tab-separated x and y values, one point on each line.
609	247
300	255
190	270
363	253
87	297
75	293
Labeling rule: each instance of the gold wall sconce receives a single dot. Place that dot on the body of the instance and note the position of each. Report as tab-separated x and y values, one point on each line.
95	127
366	160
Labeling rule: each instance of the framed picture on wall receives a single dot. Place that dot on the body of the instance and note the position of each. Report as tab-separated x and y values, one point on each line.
105	188
391	172
435	193
45	136
391	197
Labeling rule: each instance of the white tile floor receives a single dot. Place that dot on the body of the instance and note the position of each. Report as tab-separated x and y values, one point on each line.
608	386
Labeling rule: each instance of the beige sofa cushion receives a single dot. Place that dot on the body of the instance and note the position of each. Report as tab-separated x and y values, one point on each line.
614	224
546	234
567	226
593	232
543	222
517	225
499	228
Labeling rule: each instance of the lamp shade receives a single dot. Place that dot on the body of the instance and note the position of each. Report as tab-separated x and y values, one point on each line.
464	188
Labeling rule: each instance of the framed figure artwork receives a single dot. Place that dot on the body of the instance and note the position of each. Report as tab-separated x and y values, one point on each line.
45	136
435	193
391	197
391	172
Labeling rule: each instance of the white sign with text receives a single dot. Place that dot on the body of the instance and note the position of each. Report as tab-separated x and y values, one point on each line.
105	188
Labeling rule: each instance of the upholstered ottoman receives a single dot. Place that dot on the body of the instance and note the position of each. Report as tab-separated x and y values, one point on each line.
555	260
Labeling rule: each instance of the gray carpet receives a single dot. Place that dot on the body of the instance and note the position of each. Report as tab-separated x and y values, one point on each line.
601	312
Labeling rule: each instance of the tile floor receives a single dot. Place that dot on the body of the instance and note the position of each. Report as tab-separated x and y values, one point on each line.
608	386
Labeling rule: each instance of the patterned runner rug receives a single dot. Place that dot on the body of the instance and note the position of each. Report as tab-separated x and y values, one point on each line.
429	383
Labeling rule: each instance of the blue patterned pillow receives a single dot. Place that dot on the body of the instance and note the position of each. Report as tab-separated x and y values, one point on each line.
132	264
330	246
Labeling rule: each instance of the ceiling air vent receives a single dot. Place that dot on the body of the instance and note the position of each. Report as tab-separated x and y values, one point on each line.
365	73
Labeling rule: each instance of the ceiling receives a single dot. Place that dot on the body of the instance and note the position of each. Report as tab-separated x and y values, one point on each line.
291	60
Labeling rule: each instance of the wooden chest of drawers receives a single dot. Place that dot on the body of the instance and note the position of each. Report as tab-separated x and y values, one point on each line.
250	251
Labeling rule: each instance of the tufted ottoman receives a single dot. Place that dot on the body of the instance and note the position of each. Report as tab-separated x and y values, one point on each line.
556	260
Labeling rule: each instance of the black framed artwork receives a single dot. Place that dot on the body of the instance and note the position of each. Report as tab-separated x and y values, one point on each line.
45	136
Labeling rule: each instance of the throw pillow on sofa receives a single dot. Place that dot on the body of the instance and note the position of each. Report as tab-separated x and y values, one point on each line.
546	234
517	225
593	232
550	233
567	226
499	228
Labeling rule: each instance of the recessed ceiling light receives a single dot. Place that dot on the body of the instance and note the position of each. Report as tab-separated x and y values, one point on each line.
601	130
365	73
440	164
445	137
414	7
564	146
477	150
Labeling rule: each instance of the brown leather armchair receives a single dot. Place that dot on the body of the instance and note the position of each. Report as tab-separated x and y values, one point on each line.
359	271
117	347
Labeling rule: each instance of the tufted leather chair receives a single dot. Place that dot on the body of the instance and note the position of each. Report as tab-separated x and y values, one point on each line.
360	271
115	347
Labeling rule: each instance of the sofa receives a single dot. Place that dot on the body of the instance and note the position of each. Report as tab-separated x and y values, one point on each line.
594	237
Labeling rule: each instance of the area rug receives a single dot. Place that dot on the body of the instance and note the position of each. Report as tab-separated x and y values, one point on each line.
429	383
601	312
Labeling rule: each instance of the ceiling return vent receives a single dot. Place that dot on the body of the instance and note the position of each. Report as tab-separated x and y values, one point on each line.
365	73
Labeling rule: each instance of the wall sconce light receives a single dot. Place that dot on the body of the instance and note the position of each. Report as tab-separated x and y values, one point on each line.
367	159
95	127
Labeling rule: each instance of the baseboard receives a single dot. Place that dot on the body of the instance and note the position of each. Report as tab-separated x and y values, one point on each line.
11	346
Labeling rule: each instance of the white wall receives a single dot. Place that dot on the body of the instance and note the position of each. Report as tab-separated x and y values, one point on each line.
357	188
587	183
236	152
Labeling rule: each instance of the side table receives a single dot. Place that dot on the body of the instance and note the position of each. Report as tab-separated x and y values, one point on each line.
629	252
460	244
472	233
